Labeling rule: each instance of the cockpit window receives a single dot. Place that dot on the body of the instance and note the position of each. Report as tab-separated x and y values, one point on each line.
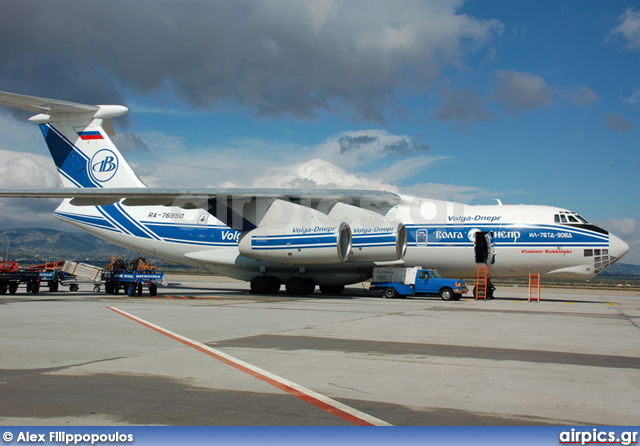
570	218
582	219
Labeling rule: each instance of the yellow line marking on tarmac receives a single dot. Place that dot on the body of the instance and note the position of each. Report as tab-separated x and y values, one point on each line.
570	303
612	304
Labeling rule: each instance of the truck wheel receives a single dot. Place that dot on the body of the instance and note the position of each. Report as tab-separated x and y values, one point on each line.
131	289
390	293
457	296
13	287
446	293
74	287
35	287
153	289
3	288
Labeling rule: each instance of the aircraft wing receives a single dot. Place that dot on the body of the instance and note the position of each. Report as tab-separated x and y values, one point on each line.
167	196
217	201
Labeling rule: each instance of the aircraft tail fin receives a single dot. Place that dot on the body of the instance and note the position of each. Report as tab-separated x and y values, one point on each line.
79	139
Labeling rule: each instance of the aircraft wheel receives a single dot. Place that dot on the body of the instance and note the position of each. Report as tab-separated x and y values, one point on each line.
390	293
294	286
331	289
446	293
259	285
273	285
309	286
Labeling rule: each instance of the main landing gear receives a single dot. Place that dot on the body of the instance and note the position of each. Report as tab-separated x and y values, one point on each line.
295	286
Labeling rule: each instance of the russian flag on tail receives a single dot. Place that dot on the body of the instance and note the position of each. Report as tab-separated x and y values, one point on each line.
89	135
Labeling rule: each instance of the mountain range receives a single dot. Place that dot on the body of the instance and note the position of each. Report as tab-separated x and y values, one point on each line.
29	245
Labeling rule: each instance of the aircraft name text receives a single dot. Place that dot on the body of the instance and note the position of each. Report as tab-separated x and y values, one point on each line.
372	230
317	229
230	235
475	218
546	251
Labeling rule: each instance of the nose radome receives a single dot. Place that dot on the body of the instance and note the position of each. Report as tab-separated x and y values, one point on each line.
617	248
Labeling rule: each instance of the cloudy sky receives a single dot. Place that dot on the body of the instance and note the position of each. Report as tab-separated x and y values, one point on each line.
529	102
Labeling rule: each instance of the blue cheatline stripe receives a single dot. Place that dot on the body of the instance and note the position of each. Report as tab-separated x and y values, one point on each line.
68	159
96	223
371	240
124	222
509	227
217	235
294	242
134	222
182	234
530	235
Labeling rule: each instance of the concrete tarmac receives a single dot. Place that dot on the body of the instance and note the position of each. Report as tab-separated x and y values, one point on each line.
67	359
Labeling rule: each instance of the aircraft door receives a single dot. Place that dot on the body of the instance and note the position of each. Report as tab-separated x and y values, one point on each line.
484	248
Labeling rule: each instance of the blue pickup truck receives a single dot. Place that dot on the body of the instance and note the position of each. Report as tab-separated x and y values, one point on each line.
396	282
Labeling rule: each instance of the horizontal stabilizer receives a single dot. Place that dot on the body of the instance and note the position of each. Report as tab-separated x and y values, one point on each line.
51	110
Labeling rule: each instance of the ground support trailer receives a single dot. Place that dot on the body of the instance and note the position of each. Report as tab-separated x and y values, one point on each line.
55	278
132	282
402	282
10	280
83	272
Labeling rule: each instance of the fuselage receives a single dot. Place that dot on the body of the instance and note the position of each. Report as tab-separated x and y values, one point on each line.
441	234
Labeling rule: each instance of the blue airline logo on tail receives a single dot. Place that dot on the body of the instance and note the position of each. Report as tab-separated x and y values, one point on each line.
104	165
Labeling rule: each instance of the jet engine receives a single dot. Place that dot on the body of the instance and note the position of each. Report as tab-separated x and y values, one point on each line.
296	235
374	238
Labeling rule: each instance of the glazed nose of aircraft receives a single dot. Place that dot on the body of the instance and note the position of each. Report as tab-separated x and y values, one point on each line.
617	248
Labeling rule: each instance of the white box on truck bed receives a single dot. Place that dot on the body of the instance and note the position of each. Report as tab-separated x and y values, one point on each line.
405	276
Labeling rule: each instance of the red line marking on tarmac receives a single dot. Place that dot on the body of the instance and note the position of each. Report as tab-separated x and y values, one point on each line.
325	403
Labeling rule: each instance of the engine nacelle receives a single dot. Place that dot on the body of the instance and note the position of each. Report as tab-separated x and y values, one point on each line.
298	244
292	234
374	238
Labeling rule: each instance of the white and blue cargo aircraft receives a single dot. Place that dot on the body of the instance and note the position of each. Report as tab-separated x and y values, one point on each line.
270	237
